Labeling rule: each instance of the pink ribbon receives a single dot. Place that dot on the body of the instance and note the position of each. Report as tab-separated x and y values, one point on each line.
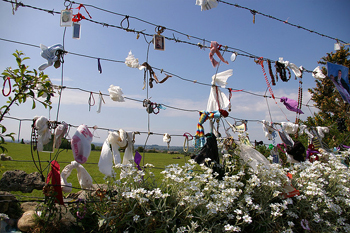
215	48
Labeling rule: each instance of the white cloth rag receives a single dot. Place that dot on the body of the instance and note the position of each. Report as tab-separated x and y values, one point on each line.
131	61
321	131
128	154
207	4
49	53
317	73
84	177
268	129
289	127
116	93
60	131
216	95
44	134
115	140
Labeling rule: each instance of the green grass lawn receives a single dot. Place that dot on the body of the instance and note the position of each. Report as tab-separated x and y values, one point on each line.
22	160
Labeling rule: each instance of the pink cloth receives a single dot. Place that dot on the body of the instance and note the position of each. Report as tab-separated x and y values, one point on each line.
214	48
81	144
291	105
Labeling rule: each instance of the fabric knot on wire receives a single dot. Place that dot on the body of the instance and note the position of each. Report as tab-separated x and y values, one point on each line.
116	93
203	117
207	4
152	75
110	151
218	100
291	105
152	107
78	17
51	54
44	134
83	176
215	49
131	61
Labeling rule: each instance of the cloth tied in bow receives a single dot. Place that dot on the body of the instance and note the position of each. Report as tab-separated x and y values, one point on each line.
50	54
218	100
215	48
291	105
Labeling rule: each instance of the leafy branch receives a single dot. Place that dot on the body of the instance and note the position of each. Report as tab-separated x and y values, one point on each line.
27	84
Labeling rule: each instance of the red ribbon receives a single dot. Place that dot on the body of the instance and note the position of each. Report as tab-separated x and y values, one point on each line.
55	177
3	86
188	135
261	62
78	17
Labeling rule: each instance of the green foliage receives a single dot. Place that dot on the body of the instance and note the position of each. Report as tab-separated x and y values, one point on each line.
65	144
140	149
25	83
330	104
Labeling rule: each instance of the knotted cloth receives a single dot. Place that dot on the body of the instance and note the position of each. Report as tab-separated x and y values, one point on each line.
203	116
215	49
84	177
50	54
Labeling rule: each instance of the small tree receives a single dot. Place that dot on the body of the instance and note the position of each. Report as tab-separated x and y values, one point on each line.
330	104
26	84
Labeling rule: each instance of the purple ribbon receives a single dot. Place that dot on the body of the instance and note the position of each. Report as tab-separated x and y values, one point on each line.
99	65
309	151
137	159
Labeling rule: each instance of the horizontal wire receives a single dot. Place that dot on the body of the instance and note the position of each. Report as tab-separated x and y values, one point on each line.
246	54
147	22
162	70
280	20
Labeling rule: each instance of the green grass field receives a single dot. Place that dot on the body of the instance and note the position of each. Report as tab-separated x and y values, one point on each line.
22	160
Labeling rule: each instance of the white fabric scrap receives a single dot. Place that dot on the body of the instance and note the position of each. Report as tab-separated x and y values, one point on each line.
128	154
84	177
321	131
219	79
116	93
131	61
317	73
268	129
49	53
289	127
303	129
207	4
44	134
60	131
115	140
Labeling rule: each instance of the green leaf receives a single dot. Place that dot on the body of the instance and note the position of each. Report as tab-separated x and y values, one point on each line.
33	106
3	129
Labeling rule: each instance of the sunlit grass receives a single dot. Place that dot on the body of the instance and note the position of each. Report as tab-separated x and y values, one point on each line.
23	160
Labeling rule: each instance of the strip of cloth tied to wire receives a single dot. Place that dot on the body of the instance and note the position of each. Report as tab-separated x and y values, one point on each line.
152	107
203	116
152	75
218	100
78	17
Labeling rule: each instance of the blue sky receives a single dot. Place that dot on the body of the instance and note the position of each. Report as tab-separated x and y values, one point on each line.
225	24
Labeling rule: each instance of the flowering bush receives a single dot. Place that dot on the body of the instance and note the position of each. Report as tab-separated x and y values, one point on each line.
192	198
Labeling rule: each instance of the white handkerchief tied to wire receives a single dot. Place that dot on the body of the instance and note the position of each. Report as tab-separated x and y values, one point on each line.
49	53
217	99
